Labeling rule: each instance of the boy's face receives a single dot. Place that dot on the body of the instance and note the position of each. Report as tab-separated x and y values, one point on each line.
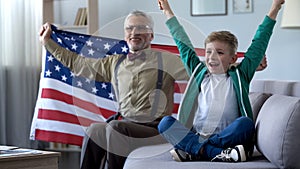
218	57
138	34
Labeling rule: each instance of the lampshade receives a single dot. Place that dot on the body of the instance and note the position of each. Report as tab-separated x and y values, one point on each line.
291	14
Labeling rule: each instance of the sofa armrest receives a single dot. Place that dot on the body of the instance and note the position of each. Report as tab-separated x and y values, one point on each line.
278	130
257	99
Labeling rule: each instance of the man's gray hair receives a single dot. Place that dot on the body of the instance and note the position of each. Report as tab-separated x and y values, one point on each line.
141	13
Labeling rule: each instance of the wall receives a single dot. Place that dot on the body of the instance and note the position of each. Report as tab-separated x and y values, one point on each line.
282	54
283	57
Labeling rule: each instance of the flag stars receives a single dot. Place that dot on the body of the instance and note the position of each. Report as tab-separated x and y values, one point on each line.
89	43
87	80
104	86
106	46
79	83
59	40
74	46
57	68
91	47
48	73
91	52
124	49
64	78
94	90
72	74
111	95
50	58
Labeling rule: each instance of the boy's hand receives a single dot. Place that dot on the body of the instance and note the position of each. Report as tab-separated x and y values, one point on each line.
276	6
164	5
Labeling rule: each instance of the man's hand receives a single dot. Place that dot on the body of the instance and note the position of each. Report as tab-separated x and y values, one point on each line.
45	32
263	64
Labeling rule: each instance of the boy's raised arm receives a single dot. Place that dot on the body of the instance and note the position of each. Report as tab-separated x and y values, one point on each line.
164	5
275	8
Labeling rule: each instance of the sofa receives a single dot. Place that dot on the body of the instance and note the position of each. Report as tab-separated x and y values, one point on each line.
276	109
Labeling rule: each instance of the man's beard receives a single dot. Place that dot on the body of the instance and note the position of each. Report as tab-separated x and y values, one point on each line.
138	47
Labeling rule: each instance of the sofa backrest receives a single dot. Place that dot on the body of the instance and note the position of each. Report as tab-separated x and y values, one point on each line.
288	88
276	107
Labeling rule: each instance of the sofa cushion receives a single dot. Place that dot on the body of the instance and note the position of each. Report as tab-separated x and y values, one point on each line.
278	130
257	99
158	157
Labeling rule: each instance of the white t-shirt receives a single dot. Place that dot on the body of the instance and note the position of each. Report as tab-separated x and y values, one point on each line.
217	105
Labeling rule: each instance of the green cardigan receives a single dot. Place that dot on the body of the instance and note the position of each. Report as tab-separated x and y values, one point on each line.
241	75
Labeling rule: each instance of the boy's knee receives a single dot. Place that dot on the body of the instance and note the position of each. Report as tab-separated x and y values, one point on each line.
247	122
165	123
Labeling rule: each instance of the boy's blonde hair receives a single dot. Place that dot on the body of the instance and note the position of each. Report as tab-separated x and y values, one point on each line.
225	37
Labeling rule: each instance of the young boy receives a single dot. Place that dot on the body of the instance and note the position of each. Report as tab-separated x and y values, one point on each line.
215	118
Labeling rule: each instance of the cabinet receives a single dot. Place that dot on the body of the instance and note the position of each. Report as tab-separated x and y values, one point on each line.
92	15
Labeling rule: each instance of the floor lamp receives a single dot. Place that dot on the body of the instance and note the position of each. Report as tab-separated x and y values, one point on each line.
291	14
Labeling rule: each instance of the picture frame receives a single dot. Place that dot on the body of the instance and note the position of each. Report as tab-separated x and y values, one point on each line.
208	7
242	6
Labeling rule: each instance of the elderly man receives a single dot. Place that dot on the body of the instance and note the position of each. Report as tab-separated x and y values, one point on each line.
144	83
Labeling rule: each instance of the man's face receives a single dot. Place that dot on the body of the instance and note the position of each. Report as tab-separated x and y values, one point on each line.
138	33
218	57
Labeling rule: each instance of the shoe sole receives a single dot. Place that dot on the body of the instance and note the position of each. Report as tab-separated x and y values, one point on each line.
175	156
241	153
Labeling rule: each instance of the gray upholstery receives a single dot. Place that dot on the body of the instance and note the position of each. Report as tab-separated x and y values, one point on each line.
296	89
257	100
158	157
288	88
278	131
276	108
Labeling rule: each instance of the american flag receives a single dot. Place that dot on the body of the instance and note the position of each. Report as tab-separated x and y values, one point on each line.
67	104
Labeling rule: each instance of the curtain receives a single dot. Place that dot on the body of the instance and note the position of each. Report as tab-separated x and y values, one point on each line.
20	64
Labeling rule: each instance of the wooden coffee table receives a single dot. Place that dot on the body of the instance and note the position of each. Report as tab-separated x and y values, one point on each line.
29	159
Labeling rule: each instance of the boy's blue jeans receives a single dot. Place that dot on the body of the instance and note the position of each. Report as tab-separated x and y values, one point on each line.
241	131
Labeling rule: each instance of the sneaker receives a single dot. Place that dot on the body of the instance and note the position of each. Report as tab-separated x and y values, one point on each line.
180	156
236	154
